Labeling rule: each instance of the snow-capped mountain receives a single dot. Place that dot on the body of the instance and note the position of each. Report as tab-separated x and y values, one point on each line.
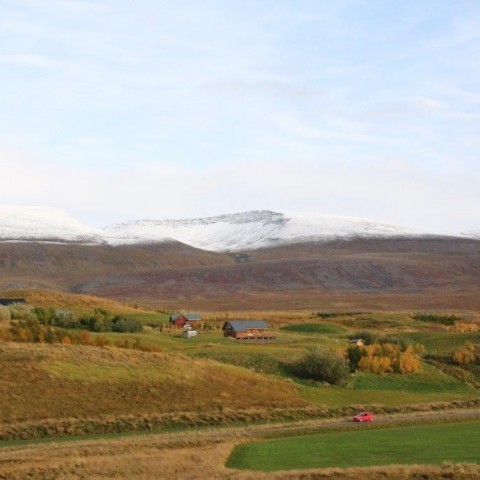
18	223
474	234
250	230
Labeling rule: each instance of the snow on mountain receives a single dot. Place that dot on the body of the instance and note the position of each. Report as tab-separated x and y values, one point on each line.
250	230
474	234
44	224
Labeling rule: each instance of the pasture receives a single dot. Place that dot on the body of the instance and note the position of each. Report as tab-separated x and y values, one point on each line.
362	447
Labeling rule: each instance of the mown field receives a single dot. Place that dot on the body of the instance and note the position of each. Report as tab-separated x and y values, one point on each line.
423	444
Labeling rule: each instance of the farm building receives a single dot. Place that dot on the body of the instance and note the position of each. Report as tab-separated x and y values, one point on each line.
248	330
12	301
183	319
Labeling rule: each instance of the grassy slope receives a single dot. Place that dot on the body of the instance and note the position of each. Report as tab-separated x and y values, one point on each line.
76	381
68	301
426	444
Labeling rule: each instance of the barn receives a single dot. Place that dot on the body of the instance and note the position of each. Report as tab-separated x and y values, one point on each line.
248	330
183	319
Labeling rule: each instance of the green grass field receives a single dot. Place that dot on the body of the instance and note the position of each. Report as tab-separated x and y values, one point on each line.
315	328
424	444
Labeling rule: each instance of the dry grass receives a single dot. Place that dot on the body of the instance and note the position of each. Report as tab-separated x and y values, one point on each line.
40	382
318	300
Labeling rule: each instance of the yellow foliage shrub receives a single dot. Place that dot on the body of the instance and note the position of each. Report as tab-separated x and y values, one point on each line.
388	357
465	327
409	361
465	355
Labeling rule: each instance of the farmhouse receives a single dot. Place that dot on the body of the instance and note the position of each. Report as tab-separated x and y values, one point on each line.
185	319
248	330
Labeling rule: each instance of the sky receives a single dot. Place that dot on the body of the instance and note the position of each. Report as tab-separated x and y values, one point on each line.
116	110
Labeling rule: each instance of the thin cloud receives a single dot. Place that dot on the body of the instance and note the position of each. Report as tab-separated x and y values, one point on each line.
428	103
29	60
392	191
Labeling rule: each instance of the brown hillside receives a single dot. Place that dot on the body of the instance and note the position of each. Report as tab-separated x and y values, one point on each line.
59	266
368	273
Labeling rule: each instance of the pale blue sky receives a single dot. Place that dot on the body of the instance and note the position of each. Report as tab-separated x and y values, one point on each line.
116	110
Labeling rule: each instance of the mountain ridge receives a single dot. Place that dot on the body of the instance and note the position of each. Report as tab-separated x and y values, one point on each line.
221	233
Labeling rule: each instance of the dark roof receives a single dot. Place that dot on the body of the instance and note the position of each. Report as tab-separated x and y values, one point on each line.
11	301
188	316
244	325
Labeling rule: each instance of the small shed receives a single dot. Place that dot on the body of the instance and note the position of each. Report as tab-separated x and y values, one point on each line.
248	330
189	334
183	319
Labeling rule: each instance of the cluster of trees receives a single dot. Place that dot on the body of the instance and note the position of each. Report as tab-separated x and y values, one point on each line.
100	321
30	330
441	319
385	358
384	355
52	325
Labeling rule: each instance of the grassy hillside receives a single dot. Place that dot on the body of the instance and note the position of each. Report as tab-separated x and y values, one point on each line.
40	382
63	300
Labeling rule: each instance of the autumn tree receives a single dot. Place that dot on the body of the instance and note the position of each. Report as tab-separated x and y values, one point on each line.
390	357
465	354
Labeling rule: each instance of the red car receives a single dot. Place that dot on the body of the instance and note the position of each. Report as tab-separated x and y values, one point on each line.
363	417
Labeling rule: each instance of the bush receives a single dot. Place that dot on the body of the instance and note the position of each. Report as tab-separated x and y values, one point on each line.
465	327
402	343
65	319
354	354
465	354
95	324
367	336
19	311
5	313
321	365
126	325
441	319
45	315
